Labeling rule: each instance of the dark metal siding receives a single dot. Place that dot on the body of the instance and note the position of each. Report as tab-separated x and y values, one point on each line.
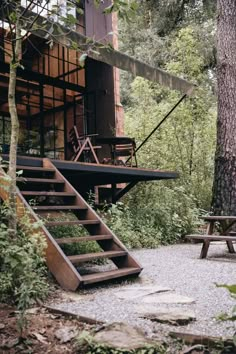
99	81
99	76
97	24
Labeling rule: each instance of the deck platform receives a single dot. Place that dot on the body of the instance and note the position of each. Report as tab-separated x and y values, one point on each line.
97	174
86	176
102	174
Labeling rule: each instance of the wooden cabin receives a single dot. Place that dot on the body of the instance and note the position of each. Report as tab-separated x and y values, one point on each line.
54	93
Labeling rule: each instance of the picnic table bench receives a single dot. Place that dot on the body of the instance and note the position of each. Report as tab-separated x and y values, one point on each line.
226	234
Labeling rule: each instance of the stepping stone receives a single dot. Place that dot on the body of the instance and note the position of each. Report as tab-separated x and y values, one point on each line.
174	316
169	298
70	296
122	336
131	293
66	334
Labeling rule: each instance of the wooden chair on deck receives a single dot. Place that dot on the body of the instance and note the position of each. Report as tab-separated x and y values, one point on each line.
127	154
82	146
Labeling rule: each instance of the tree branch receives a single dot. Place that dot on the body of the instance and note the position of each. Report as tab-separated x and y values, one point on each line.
36	17
5	51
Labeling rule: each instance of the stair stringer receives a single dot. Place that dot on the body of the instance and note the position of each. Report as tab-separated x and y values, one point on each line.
130	261
57	262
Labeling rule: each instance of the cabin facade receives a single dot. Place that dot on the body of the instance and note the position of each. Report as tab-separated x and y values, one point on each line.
55	93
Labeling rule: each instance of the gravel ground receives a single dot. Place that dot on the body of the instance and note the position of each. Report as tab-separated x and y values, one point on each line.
179	268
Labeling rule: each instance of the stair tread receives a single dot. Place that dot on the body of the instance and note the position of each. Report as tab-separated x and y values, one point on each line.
78	222
31	168
90	256
65	267
112	274
58	207
39	180
54	194
66	240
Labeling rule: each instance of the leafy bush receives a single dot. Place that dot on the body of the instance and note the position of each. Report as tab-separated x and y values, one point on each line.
153	215
72	231
165	213
22	265
186	141
120	220
74	248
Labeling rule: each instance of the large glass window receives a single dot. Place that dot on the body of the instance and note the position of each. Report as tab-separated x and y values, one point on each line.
54	136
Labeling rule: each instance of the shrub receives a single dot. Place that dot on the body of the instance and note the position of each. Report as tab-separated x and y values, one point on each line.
162	214
153	215
119	218
22	266
72	231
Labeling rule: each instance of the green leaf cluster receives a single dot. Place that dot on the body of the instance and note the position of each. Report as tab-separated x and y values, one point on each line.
72	231
22	266
186	141
125	9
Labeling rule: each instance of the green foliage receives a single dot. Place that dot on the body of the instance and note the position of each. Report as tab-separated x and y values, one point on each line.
153	215
185	142
181	41
125	9
120	219
74	248
85	343
22	268
72	231
230	288
232	316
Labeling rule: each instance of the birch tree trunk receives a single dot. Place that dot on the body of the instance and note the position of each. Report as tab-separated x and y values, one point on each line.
224	186
15	62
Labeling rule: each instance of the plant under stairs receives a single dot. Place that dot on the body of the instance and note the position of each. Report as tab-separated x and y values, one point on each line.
55	197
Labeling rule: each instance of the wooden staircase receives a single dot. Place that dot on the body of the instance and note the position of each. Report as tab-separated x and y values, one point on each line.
46	194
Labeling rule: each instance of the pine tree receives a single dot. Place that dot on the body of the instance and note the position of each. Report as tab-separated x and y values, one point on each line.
224	188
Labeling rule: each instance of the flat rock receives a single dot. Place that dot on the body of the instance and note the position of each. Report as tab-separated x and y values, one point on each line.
131	293
174	316
70	296
196	349
32	311
169	298
144	280
66	334
122	336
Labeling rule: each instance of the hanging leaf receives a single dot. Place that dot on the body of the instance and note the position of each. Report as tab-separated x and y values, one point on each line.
82	59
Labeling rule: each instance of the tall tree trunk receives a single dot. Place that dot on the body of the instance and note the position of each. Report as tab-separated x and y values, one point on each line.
12	224
224	187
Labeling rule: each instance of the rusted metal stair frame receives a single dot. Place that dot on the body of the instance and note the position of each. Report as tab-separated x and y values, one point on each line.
57	262
61	265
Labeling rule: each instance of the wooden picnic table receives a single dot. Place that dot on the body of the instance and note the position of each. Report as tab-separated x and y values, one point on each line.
226	234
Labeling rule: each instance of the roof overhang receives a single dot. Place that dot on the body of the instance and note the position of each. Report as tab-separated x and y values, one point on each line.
47	29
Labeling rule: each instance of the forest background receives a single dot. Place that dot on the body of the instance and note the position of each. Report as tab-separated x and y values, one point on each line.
178	36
